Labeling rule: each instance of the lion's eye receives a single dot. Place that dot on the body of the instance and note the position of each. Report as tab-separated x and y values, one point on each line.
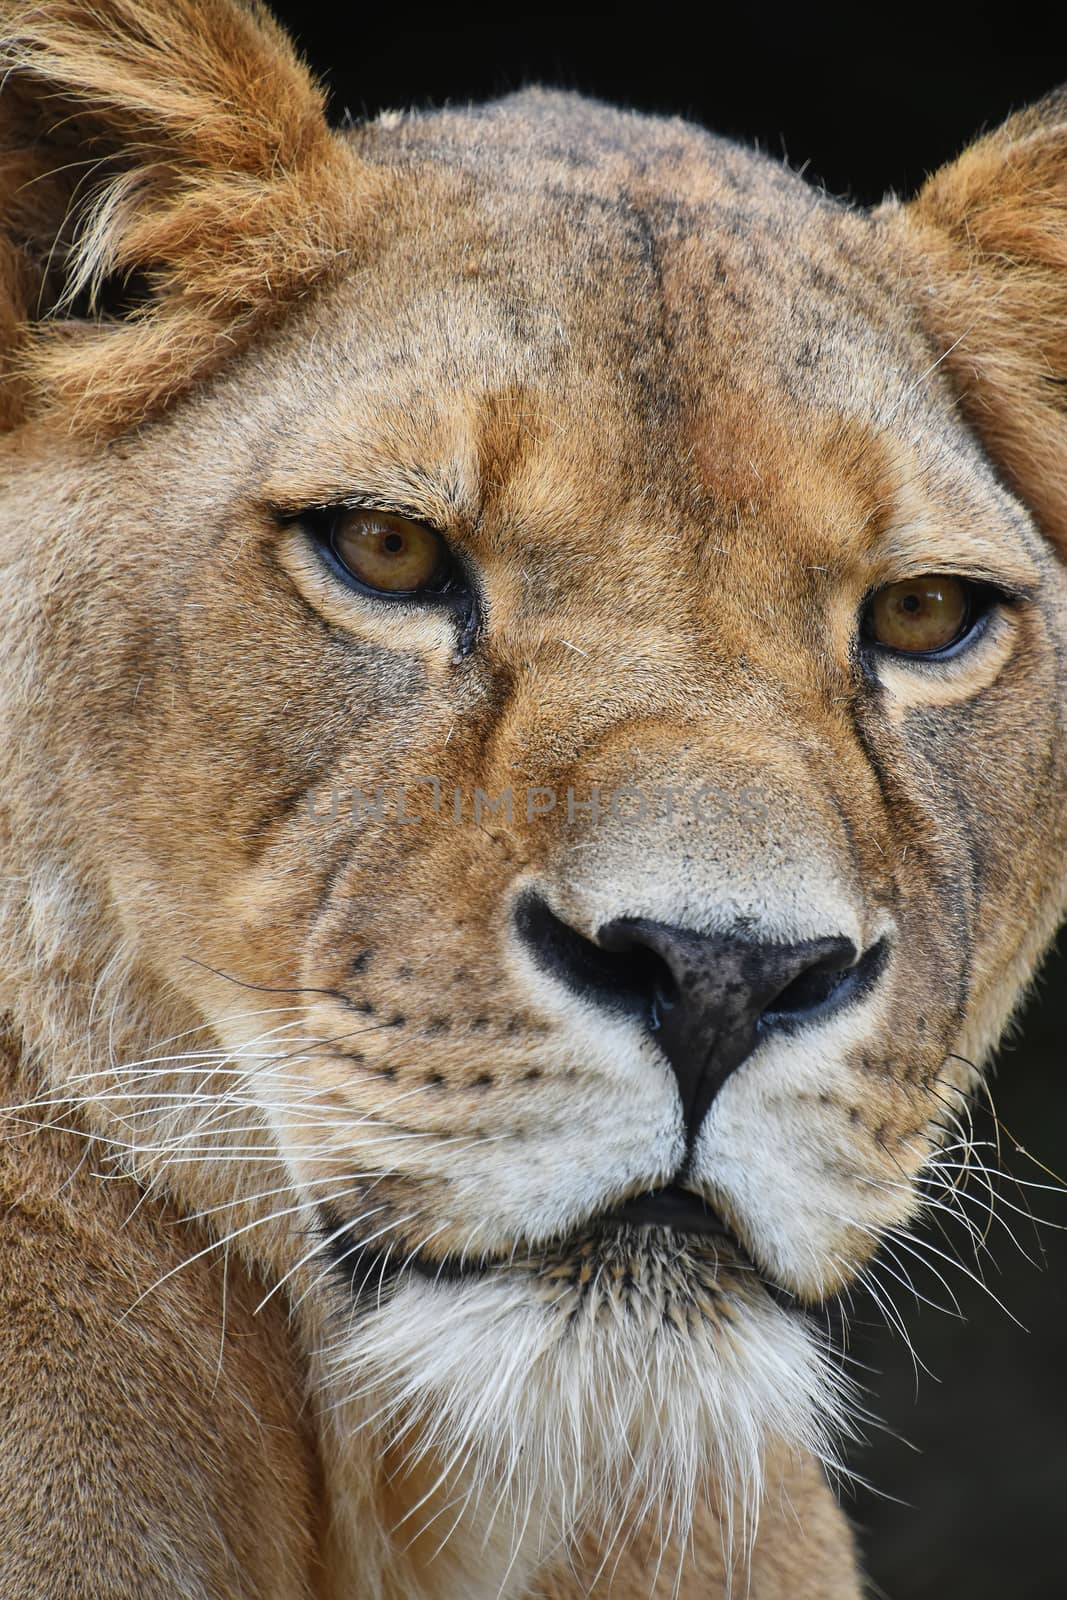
923	616
387	553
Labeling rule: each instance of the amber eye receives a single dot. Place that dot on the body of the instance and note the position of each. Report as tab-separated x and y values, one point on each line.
389	553
921	615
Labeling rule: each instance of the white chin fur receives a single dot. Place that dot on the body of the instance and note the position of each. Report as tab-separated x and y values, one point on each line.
544	1423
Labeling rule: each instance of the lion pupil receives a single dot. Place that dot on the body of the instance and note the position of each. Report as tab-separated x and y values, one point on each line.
393	542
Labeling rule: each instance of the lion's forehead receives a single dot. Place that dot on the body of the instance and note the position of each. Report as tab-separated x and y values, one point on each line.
679	339
652	228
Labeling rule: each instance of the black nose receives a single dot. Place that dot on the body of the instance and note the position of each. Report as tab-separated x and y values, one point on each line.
707	999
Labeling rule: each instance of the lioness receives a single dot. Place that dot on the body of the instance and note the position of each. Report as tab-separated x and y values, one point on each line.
534	655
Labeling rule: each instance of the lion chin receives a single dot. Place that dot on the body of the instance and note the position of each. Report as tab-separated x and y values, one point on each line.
533	648
626	1374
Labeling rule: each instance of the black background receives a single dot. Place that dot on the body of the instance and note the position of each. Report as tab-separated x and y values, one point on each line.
972	1473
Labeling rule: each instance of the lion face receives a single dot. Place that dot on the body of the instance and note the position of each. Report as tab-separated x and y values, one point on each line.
489	708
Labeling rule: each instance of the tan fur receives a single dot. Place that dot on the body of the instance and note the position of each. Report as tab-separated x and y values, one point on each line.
802	1549
992	232
178	162
183	1409
679	416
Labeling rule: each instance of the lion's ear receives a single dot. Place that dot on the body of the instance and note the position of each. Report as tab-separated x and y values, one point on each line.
989	239
167	182
988	234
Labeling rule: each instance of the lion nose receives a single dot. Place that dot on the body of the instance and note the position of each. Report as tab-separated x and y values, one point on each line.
706	998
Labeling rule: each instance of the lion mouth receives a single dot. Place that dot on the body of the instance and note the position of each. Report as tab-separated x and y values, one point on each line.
671	1216
675	1208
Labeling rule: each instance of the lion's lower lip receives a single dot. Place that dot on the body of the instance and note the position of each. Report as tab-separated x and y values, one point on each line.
670	1210
672	1207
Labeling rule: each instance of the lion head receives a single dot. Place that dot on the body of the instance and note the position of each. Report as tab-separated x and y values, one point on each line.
535	648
